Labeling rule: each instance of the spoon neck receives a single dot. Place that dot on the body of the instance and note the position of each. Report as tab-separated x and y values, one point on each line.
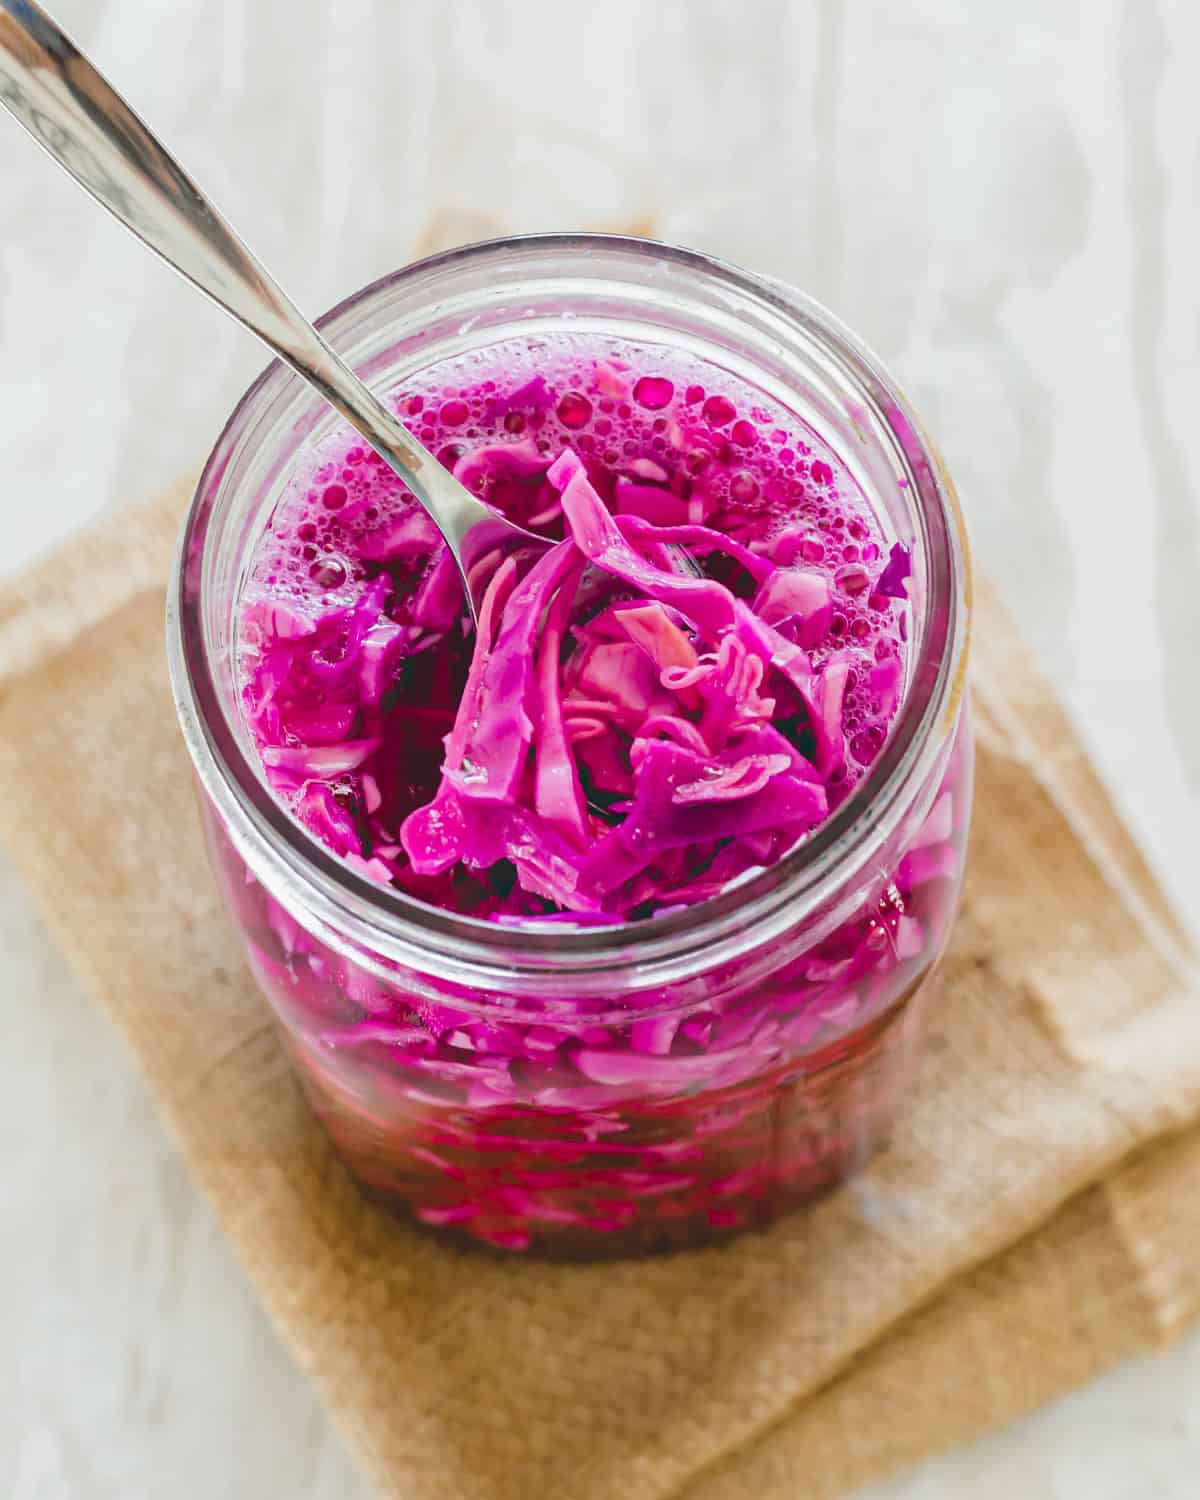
313	359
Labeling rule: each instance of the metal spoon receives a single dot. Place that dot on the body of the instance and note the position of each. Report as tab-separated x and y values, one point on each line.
70	110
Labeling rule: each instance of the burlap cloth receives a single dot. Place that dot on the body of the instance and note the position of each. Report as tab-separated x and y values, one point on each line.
1035	1220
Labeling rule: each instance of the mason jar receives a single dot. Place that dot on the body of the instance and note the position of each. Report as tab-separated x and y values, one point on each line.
591	1090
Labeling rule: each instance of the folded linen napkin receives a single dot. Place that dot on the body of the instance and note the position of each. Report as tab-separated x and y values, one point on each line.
1003	1249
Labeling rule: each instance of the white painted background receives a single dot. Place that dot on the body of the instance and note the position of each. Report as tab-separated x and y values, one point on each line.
1003	196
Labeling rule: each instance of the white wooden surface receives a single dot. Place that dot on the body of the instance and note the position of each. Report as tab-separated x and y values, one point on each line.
1003	198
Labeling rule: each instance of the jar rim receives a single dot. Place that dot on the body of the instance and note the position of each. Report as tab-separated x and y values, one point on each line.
403	928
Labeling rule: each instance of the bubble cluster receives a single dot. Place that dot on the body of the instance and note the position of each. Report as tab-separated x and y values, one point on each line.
645	418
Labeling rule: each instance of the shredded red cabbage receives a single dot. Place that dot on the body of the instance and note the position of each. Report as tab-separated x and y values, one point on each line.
632	719
891	582
673	695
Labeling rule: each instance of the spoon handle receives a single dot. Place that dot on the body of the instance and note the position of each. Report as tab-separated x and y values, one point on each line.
75	115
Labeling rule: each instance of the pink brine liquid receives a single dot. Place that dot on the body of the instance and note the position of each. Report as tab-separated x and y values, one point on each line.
659	756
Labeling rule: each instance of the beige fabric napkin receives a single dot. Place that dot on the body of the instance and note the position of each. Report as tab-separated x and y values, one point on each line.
999	1253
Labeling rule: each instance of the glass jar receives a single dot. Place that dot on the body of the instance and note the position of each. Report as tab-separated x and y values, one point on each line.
580	1090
